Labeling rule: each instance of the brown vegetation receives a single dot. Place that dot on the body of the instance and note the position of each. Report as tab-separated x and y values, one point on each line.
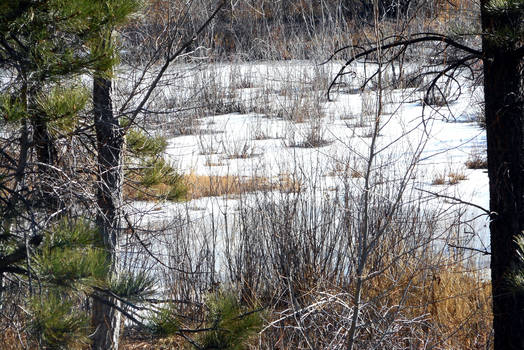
212	186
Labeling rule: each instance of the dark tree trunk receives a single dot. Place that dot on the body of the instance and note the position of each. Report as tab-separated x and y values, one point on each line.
46	155
504	91
106	319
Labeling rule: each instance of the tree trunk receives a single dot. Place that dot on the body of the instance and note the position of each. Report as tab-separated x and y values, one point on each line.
106	319
47	156
503	93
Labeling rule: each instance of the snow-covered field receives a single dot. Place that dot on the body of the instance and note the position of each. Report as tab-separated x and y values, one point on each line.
282	125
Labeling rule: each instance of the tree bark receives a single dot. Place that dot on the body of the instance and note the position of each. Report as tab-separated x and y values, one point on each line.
106	319
47	156
503	93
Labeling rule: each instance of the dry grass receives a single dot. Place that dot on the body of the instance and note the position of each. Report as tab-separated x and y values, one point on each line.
132	342
134	191
239	150
199	186
477	164
460	307
446	307
9	340
452	178
369	103
356	174
211	163
455	300
456	177
451	301
212	186
345	169
477	160
439	179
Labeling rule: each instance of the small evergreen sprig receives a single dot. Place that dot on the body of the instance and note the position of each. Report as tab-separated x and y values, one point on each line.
227	324
58	323
71	257
231	324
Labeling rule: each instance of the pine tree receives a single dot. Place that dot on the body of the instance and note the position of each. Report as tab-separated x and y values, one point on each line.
61	257
40	47
46	46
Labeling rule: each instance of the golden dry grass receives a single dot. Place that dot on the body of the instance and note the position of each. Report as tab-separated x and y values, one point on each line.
212	186
344	169
455	300
452	306
461	308
134	191
199	186
452	178
454	296
449	299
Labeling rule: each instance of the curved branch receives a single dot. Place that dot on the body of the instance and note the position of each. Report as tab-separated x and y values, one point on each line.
444	72
418	38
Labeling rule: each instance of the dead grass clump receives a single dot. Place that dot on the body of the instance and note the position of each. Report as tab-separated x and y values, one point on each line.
417	300
356	174
452	178
456	177
210	162
477	162
345	169
305	108
314	138
195	186
369	103
213	186
439	180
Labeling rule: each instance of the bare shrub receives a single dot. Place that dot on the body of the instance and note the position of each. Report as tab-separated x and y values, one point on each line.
316	135
239	79
302	109
296	257
261	130
348	114
212	160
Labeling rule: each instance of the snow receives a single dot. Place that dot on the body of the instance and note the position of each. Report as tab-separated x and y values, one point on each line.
258	143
